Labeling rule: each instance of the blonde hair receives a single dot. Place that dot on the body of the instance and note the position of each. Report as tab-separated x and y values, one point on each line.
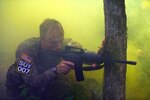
49	23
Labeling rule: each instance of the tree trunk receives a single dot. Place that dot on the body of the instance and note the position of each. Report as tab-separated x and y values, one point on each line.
115	47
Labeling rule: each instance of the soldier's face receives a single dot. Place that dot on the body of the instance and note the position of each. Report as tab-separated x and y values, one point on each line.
53	39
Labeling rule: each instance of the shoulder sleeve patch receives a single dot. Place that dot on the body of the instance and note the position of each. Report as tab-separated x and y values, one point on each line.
26	57
24	65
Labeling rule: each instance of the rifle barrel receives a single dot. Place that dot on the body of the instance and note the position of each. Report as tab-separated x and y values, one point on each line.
124	62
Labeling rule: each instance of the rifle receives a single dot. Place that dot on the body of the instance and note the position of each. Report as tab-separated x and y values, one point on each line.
79	57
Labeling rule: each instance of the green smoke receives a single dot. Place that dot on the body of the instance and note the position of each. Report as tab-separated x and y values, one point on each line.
138	48
83	21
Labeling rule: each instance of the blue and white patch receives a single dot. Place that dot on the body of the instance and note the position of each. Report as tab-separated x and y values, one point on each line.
24	67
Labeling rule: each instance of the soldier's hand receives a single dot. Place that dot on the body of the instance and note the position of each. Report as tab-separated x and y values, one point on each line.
64	67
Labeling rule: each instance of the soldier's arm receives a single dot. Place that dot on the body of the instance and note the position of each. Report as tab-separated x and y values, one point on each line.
35	81
19	84
13	84
26	69
26	55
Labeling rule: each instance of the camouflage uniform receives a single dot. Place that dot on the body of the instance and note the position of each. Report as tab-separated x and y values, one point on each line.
32	77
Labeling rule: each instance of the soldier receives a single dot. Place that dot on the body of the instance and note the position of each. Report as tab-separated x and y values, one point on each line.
37	73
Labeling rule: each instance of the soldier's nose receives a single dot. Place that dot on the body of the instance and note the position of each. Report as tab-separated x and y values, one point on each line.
59	46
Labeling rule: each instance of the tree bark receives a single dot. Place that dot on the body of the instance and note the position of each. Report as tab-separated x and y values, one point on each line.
115	48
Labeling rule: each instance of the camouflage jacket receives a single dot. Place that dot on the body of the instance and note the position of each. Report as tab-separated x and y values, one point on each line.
31	77
32	73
